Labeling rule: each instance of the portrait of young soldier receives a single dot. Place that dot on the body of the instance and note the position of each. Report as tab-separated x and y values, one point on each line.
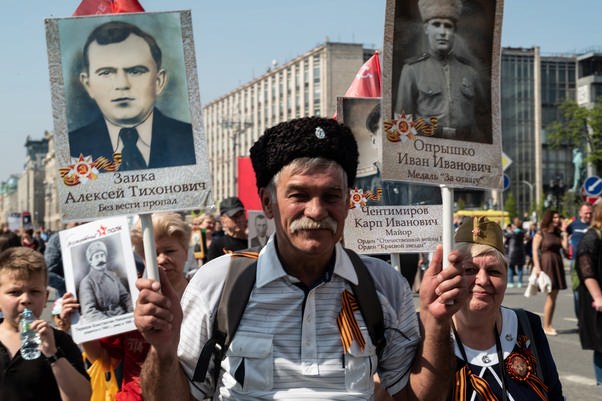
443	82
123	74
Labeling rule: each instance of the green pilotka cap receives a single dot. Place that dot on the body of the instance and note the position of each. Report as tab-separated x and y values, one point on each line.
481	230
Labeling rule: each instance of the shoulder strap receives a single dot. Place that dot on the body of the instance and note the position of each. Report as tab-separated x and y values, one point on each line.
367	299
233	301
523	319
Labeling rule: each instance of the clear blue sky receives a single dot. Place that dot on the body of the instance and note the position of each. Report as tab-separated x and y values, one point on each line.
237	40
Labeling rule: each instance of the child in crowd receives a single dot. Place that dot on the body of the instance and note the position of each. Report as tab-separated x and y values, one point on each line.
59	373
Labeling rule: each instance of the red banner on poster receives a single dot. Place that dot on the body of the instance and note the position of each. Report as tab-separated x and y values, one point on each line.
95	7
247	188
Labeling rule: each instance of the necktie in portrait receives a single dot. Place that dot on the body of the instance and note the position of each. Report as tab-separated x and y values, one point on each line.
131	158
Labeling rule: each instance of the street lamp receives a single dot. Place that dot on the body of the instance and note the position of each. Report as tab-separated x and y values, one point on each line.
530	191
237	127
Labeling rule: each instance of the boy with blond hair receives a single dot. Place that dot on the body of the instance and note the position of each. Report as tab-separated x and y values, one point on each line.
59	373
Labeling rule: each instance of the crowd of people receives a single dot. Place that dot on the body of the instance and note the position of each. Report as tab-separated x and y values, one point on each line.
316	320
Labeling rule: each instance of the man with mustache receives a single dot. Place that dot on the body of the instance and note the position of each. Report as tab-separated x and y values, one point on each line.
290	343
123	75
101	294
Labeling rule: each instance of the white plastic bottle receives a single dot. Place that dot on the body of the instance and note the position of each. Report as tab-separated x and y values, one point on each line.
30	339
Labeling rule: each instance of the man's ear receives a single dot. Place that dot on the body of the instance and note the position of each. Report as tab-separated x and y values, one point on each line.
161	81
266	203
84	79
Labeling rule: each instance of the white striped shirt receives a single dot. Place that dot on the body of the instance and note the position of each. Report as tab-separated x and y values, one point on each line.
291	351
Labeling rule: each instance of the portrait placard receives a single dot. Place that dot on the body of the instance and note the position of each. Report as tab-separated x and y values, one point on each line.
380	219
393	229
440	97
260	228
100	272
129	133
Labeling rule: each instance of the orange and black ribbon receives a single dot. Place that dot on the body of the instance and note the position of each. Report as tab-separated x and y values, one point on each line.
246	254
480	385
426	128
348	327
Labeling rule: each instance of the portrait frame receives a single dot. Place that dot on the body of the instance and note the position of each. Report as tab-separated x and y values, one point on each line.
92	185
416	147
252	216
379	221
114	234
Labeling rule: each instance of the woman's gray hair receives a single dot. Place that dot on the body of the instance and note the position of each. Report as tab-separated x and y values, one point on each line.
471	250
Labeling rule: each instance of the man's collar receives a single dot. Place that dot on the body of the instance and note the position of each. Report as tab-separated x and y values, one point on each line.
269	267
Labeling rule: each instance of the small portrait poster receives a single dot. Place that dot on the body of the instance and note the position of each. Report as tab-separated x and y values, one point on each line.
260	228
441	97
100	271
378	222
128	133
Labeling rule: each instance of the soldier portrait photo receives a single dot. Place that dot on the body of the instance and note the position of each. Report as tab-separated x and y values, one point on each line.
103	292
441	67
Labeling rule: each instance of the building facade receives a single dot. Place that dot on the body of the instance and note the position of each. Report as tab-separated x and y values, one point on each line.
31	182
305	86
529	80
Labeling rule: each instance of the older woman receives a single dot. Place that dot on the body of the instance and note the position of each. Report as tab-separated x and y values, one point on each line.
172	236
589	269
495	357
550	240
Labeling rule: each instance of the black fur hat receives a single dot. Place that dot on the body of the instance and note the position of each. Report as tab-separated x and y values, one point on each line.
304	137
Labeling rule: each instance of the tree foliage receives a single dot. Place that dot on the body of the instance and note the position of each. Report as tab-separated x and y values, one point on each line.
579	126
510	206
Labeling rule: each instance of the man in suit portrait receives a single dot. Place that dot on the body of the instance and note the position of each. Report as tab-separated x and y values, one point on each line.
122	73
261	231
442	84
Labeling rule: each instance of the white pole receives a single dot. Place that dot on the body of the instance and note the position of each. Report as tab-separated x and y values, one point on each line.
447	197
150	253
396	261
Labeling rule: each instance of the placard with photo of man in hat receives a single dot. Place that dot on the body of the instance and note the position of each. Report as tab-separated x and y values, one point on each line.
441	92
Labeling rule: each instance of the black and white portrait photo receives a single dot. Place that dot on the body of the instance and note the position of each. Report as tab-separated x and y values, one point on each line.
260	229
441	67
102	292
100	271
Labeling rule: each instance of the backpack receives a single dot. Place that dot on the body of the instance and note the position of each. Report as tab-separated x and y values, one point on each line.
238	285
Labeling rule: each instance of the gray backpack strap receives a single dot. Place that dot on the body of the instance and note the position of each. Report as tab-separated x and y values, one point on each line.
233	301
367	299
523	319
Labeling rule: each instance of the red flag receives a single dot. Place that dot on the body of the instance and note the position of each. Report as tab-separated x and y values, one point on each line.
247	189
367	80
94	7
